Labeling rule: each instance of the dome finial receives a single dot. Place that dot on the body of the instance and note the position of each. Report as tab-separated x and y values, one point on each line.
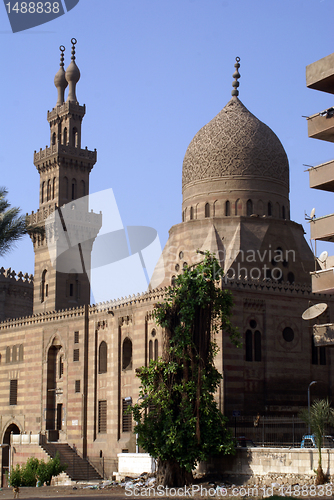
60	80
73	42
236	76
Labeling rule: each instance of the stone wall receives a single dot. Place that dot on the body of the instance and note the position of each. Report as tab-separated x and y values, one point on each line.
264	466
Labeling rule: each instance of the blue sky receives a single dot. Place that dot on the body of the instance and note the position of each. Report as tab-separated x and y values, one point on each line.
153	72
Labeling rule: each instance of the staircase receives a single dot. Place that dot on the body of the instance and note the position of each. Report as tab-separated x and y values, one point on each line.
78	469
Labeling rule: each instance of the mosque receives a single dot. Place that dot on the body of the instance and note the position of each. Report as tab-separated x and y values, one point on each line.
68	368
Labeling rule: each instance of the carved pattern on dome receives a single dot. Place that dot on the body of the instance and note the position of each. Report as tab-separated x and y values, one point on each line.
235	143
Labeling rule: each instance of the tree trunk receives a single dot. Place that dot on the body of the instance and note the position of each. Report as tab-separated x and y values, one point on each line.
172	475
320	479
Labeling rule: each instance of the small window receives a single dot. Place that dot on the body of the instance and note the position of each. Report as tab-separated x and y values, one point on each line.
191	213
150	350
54	138
42	191
257	346
288	334
75	141
76	354
249	207
49	191
74	189
66	188
71	290
102	421
61	365
283	212
21	352
252	323
65	137
249	345
126	415
127	354
77	386
227	209
13	393
156	350
8	354
270	209
238	207
53	188
103	354
76	337
207	210
14	354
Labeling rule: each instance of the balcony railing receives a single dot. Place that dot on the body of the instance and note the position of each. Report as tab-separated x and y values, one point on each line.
322	176
322	228
323	281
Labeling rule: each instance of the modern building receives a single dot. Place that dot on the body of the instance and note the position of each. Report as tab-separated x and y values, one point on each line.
320	76
68	369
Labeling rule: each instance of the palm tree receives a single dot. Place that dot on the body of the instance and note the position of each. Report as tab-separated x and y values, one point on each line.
321	414
12	225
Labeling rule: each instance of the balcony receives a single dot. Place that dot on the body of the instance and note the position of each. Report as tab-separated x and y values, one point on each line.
323	335
323	281
322	228
321	125
322	176
320	74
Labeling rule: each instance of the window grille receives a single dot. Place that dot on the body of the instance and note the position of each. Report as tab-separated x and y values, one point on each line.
13	393
102	421
77	386
76	337
126	415
76	354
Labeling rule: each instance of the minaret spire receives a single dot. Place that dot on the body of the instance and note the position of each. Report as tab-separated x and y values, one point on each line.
236	76
60	80
72	75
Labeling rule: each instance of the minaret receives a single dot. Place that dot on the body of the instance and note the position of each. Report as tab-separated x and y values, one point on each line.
62	267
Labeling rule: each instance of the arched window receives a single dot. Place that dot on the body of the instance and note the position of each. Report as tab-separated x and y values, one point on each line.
66	188
75	137
49	190
283	212
156	351
44	286
42	191
74	189
207	210
227	208
249	345
103	351
257	346
54	138
238	207
82	188
191	213
53	188
249	207
14	354
270	209
8	354
127	354
21	352
150	350
65	137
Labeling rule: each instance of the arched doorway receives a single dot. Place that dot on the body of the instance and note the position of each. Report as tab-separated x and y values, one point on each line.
54	400
6	452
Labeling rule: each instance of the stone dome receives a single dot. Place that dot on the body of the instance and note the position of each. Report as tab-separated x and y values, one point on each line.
235	144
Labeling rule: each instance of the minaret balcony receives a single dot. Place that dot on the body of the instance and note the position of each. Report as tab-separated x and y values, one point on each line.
322	176
67	151
323	281
323	335
322	228
66	108
321	125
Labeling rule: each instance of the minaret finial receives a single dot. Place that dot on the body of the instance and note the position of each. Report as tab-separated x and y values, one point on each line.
236	76
73	42
60	80
72	75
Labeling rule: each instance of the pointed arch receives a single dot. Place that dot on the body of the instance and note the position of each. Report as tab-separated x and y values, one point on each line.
191	213
75	137
103	357
127	354
270	209
42	192
238	207
249	207
227	208
65	136
74	189
207	210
